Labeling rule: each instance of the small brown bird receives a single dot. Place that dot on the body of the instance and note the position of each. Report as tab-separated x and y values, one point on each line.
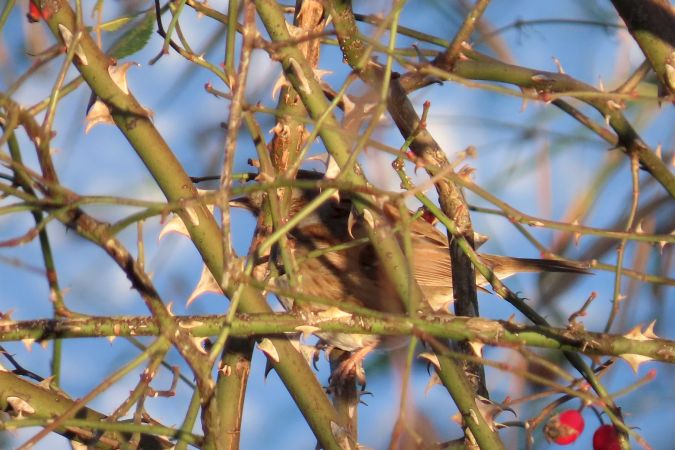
353	275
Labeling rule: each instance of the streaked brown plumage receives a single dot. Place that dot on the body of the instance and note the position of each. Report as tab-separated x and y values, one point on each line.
353	274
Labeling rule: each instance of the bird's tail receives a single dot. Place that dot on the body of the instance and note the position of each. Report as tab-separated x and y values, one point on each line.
516	265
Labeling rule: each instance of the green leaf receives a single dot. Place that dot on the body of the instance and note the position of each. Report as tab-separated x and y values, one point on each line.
116	24
135	39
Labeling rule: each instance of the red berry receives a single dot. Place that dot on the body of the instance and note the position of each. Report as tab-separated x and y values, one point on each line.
564	428
606	438
34	13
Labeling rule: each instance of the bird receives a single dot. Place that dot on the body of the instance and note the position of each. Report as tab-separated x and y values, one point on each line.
353	275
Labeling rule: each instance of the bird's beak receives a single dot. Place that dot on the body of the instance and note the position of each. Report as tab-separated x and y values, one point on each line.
244	203
251	202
